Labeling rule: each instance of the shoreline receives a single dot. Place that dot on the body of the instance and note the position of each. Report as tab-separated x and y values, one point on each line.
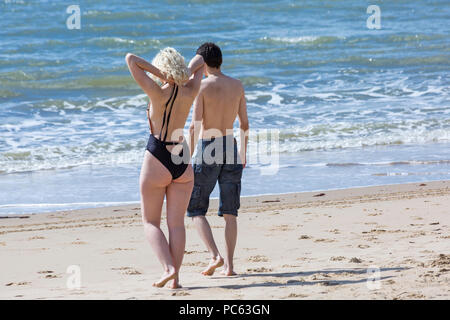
330	239
213	200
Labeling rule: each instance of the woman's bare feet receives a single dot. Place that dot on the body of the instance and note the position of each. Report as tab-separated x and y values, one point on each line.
175	283
166	277
213	265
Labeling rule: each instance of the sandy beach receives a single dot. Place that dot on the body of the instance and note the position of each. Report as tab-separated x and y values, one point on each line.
313	245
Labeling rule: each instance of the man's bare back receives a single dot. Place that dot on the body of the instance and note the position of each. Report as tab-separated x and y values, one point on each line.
221	98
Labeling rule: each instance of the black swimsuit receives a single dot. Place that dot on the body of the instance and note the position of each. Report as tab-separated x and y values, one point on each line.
158	147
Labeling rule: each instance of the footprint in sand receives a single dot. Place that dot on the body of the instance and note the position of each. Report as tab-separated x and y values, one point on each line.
191	252
319	276
258	258
363	246
23	283
127	270
36	238
355	260
261	269
196	264
297	295
324	240
180	293
339	258
78	241
49	274
443	260
132	272
303	237
283	227
376	231
375	214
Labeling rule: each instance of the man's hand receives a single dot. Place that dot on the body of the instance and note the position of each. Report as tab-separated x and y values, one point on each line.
243	161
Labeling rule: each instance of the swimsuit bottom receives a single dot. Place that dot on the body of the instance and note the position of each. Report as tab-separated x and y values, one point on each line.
158	149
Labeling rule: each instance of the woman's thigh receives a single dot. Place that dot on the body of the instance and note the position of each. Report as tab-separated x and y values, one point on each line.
154	179
178	195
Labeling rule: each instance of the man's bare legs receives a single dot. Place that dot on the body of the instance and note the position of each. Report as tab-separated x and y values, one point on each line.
204	230
154	178
230	243
177	197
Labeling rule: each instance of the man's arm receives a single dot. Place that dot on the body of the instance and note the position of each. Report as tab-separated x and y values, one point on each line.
196	123
244	128
196	70
137	67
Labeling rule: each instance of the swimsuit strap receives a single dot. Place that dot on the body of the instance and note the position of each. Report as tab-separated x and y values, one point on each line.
170	112
165	111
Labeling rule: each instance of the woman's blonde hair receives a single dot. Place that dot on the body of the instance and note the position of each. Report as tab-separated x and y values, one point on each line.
172	64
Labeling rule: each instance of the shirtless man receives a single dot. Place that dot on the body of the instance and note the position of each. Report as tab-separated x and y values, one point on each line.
220	100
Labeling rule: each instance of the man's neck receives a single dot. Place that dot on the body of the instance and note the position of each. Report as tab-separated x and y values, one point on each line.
214	71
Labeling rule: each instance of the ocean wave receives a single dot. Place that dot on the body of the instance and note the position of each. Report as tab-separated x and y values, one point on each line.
22	80
120	151
302	39
105	15
8	94
344	135
388	163
65	157
108	42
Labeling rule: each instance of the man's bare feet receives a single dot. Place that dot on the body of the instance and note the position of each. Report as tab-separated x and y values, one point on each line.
228	272
213	265
166	277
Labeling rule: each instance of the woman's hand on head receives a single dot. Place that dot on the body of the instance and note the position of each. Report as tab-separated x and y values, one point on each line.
170	81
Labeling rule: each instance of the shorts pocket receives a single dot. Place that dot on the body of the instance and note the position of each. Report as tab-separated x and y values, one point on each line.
238	195
194	203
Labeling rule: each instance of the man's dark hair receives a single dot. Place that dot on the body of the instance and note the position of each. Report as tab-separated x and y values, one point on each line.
211	54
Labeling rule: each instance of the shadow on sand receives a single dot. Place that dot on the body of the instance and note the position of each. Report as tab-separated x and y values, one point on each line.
300	282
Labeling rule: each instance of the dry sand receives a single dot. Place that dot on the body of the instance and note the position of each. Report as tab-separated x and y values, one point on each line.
315	245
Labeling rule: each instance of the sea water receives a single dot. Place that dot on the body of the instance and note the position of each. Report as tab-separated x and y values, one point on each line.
348	105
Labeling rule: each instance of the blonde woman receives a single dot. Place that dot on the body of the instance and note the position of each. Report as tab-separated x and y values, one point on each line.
172	89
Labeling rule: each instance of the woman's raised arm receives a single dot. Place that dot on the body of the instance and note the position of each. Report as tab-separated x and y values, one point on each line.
137	67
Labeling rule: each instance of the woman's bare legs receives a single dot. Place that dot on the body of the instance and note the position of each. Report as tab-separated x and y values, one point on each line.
154	178
177	200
